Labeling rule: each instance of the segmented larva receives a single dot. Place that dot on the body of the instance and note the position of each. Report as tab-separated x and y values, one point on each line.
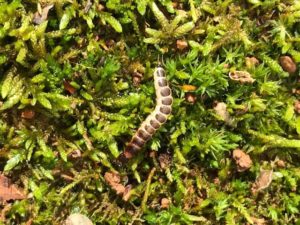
155	120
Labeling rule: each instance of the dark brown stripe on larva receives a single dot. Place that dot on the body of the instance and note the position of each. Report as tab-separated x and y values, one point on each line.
162	82
143	135
131	149
149	129
167	101
165	91
154	124
160	72
138	141
165	110
161	118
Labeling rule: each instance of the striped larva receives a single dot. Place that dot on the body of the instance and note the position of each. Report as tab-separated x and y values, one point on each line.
155	120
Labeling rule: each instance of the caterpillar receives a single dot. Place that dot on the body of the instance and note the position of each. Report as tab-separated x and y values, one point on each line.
155	120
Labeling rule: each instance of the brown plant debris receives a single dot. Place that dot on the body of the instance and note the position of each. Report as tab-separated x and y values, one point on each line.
42	14
242	160
164	160
68	87
114	179
280	163
181	44
190	98
3	212
78	219
241	76
9	191
27	114
136	79
221	110
165	203
263	181
251	62
288	64
297	106
136	69
258	221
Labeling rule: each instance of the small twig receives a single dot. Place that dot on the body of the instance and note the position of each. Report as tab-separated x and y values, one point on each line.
146	195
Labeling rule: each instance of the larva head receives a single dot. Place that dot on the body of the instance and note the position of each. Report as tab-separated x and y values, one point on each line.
160	72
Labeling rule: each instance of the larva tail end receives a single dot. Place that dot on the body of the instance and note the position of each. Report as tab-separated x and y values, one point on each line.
128	153
121	160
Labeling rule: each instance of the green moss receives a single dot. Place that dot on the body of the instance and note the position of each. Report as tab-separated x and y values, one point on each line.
69	106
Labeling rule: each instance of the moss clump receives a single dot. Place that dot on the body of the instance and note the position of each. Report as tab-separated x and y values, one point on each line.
76	82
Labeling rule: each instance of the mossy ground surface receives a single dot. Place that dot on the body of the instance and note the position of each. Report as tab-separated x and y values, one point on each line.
77	81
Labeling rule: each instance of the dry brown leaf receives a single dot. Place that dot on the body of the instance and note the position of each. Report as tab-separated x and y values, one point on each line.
190	98
3	212
262	181
68	87
222	112
27	114
243	160
41	15
258	221
297	106
78	219
251	62
165	203
113	179
181	44
127	193
280	163
241	76
164	160
9	191
288	64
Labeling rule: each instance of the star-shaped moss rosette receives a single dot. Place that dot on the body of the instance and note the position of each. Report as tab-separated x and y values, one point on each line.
169	29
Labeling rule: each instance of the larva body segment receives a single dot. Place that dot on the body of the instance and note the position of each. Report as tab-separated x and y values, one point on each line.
153	121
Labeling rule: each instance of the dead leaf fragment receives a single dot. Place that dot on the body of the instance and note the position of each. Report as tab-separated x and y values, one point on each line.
190	98
263	181
127	193
75	154
164	203
136	78
3	212
221	110
242	160
297	106
258	221
241	76
27	114
164	160
78	219
181	44
288	64
9	191
88	6
188	87
251	62
41	15
280	163
114	179
68	87
137	70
